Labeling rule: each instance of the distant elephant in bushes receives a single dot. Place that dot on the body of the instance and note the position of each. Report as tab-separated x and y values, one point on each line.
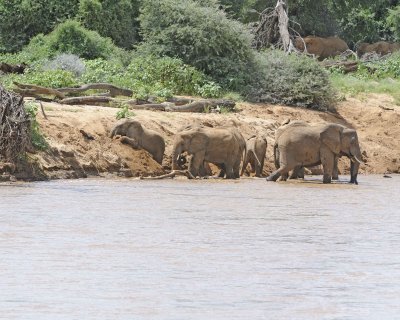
322	48
255	155
301	145
216	145
380	47
139	137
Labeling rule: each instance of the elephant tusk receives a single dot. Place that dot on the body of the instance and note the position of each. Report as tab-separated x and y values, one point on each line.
358	160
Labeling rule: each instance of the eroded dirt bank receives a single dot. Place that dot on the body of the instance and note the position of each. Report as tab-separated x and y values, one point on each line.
72	155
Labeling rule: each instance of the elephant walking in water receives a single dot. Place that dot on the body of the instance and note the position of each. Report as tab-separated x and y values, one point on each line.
134	134
300	145
255	155
221	146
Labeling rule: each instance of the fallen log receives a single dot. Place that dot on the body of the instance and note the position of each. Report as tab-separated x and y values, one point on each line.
170	175
88	100
346	66
114	90
30	90
147	106
202	105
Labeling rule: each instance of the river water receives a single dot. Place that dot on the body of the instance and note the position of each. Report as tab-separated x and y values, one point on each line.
248	249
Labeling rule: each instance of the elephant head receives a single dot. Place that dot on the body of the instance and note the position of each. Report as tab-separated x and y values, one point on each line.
343	141
187	141
127	127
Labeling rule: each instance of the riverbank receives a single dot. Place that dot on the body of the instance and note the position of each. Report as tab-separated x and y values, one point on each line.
79	143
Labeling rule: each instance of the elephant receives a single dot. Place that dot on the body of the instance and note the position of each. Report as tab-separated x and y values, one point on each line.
255	154
322	48
301	145
380	47
137	136
204	169
298	172
216	145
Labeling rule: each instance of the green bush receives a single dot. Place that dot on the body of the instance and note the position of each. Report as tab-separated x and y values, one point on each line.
37	138
116	19
21	20
393	21
201	36
71	37
290	79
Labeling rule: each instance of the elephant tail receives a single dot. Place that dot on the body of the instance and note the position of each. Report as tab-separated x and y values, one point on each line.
276	156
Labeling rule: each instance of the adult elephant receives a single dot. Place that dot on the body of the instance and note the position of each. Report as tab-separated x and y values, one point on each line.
255	155
215	145
320	144
380	47
137	136
204	169
322	48
298	172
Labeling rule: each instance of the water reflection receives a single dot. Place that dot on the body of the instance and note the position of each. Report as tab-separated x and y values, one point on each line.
101	249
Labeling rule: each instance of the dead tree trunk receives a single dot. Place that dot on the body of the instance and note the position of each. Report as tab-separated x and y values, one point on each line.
273	29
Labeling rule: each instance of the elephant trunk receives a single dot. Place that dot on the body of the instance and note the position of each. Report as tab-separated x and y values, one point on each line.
276	156
113	132
355	163
176	152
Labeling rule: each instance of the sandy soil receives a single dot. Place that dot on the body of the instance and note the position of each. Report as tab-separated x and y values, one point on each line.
71	155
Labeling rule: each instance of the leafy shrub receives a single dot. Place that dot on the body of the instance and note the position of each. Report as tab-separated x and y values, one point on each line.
38	140
124	112
201	36
116	19
21	20
100	70
290	79
71	37
68	62
393	21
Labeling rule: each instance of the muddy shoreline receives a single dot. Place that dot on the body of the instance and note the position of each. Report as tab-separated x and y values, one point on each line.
71	154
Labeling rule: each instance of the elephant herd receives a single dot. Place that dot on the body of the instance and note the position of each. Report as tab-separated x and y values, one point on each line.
298	144
329	47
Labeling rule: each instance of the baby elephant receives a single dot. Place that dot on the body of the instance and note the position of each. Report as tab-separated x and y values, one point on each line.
134	134
255	155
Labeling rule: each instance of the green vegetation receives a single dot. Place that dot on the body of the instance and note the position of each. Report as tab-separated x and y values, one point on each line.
194	47
38	140
124	112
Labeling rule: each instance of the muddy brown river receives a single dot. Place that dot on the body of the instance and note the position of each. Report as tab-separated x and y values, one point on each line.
248	249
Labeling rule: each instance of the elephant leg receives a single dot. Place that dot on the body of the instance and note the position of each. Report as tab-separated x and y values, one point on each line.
229	171
298	172
335	172
327	160
195	163
258	171
353	172
222	171
281	172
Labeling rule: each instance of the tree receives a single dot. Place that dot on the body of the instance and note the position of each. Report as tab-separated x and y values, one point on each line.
116	19
21	20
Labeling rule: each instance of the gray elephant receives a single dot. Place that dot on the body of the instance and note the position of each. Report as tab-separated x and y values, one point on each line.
298	172
137	136
215	145
301	145
255	154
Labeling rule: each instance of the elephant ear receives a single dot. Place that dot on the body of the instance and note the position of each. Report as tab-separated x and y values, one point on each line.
331	136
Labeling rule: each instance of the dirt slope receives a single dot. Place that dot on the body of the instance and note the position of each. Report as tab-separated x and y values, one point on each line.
72	155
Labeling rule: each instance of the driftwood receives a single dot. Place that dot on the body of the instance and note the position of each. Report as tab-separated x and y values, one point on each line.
96	100
171	175
201	105
148	106
114	91
273	29
15	124
346	66
32	90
